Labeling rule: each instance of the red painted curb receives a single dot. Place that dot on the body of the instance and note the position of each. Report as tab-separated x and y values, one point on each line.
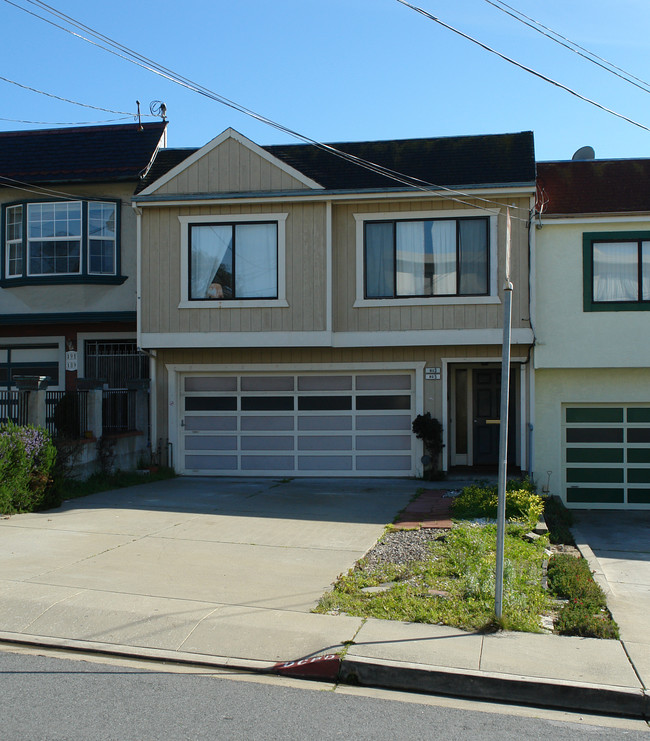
318	667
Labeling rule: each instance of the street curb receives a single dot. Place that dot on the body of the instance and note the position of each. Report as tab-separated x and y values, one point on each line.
387	674
591	558
477	685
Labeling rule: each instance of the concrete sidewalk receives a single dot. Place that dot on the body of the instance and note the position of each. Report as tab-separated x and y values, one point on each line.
225	572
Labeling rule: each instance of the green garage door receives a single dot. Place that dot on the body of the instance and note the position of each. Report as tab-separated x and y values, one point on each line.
607	455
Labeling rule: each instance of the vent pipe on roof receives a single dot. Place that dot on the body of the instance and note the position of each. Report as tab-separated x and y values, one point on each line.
584	153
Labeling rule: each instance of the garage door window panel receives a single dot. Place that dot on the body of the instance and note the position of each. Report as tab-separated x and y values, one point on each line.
210	404
267	403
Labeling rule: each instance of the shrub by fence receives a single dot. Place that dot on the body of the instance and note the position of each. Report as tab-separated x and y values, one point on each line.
27	458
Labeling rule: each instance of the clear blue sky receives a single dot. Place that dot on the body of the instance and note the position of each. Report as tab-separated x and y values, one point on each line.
342	70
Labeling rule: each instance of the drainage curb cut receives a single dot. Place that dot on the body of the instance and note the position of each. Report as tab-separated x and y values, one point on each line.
629	702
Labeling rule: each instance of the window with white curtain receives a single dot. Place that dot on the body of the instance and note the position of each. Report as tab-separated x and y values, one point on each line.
233	261
620	270
431	257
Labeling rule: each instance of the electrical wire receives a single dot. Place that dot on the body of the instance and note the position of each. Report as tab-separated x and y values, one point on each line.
52	193
66	123
571	45
67	100
140	60
530	70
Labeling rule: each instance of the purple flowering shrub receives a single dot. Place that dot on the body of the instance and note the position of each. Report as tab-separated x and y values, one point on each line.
27	458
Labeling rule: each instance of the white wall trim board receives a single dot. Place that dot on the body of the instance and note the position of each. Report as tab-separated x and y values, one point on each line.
416	338
214	199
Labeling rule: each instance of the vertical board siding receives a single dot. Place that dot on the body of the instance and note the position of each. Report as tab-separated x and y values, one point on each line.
305	273
230	168
459	316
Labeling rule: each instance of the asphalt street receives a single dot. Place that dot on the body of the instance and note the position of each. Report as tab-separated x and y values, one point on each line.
56	699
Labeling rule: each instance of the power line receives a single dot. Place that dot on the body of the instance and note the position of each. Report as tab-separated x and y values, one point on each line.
67	100
570	45
140	60
67	123
531	71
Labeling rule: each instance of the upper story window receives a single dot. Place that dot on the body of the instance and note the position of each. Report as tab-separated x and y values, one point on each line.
616	271
426	258
234	261
69	241
231	262
431	257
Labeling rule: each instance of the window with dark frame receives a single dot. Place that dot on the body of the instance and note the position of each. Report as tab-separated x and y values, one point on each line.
235	260
621	271
426	257
616	271
60	240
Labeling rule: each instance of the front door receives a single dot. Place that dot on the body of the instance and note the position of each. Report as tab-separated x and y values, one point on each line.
487	406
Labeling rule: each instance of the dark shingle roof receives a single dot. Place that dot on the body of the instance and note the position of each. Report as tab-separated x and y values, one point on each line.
80	154
594	186
449	161
165	160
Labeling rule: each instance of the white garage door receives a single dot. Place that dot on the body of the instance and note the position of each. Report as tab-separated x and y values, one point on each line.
607	455
303	424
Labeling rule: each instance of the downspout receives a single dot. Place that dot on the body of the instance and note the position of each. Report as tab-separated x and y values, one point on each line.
532	310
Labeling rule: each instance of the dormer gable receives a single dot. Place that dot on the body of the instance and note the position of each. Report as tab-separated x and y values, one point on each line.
230	163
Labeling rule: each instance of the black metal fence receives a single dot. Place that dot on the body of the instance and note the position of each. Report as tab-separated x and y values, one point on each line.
66	413
118	411
13	407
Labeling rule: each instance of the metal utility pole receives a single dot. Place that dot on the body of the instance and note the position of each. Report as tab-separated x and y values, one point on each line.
503	429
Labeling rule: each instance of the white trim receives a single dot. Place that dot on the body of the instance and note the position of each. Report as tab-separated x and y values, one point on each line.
429	337
582	219
416	337
280	301
83	336
43	340
329	280
523	439
175	370
213	144
138	270
458	213
365	196
426	301
236	339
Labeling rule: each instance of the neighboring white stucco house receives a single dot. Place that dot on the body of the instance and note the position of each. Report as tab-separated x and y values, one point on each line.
592	353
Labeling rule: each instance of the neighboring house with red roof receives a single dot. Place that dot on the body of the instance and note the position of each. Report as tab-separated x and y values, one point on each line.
592	353
68	252
302	309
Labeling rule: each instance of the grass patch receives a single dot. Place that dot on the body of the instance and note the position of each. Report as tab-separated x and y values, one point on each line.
585	614
453	586
98	482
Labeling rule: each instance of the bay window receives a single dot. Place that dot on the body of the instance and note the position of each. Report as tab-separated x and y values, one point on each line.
62	241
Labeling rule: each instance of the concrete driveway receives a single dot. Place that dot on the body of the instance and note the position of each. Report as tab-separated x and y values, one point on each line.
618	547
226	567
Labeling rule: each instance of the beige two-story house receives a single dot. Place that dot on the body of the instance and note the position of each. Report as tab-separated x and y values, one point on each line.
302	304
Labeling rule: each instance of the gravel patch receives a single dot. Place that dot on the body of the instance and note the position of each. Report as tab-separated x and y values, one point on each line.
402	546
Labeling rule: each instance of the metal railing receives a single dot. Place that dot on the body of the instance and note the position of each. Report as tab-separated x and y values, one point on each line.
118	411
72	417
13	407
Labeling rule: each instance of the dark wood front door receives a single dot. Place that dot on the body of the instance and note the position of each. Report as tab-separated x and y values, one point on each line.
487	406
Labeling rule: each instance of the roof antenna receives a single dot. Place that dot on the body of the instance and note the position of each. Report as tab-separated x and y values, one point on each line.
139	119
158	108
